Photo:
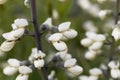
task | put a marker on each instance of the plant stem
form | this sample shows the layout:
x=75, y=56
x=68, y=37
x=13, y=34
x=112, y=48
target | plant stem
x=117, y=11
x=37, y=35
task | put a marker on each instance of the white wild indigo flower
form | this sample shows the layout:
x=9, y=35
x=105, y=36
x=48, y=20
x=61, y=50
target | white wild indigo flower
x=22, y=77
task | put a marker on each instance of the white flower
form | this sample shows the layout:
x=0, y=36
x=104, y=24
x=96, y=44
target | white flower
x=116, y=33
x=93, y=77
x=114, y=64
x=115, y=73
x=22, y=77
x=19, y=32
x=27, y=3
x=14, y=62
x=64, y=26
x=14, y=27
x=39, y=63
x=68, y=56
x=55, y=37
x=51, y=75
x=7, y=45
x=55, y=14
x=96, y=46
x=60, y=46
x=100, y=38
x=40, y=54
x=103, y=13
x=9, y=36
x=21, y=23
x=70, y=62
x=70, y=33
x=83, y=77
x=48, y=22
x=90, y=55
x=9, y=70
x=25, y=70
x=76, y=70
x=95, y=71
x=86, y=42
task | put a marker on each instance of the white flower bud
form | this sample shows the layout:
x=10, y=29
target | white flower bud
x=21, y=23
x=114, y=64
x=64, y=26
x=76, y=70
x=25, y=70
x=68, y=56
x=83, y=77
x=48, y=22
x=61, y=54
x=55, y=14
x=14, y=62
x=96, y=46
x=70, y=62
x=95, y=71
x=14, y=27
x=39, y=63
x=86, y=42
x=55, y=37
x=19, y=32
x=116, y=33
x=115, y=73
x=93, y=77
x=27, y=3
x=100, y=38
x=9, y=36
x=60, y=46
x=51, y=75
x=10, y=70
x=90, y=55
x=70, y=34
x=91, y=35
x=22, y=77
x=7, y=46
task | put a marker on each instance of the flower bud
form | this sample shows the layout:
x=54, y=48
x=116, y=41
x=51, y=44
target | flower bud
x=70, y=62
x=19, y=32
x=100, y=38
x=114, y=64
x=90, y=55
x=91, y=35
x=9, y=70
x=95, y=71
x=86, y=42
x=25, y=70
x=7, y=46
x=96, y=46
x=76, y=70
x=39, y=63
x=48, y=22
x=83, y=77
x=14, y=62
x=116, y=33
x=70, y=34
x=55, y=37
x=22, y=77
x=60, y=46
x=64, y=26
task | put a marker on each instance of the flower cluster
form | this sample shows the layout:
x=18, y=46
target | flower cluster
x=114, y=69
x=70, y=64
x=94, y=43
x=36, y=58
x=94, y=74
x=18, y=29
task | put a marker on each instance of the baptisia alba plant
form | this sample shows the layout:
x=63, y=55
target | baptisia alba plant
x=67, y=54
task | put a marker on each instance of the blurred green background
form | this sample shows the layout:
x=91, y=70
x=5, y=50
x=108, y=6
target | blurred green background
x=68, y=11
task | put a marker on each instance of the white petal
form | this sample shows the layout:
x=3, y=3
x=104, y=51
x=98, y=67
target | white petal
x=7, y=46
x=91, y=35
x=60, y=46
x=70, y=62
x=9, y=36
x=96, y=46
x=70, y=34
x=9, y=70
x=90, y=55
x=40, y=54
x=86, y=42
x=19, y=32
x=39, y=63
x=83, y=77
x=14, y=62
x=93, y=77
x=55, y=37
x=115, y=73
x=22, y=77
x=95, y=71
x=116, y=33
x=100, y=37
x=114, y=64
x=76, y=70
x=25, y=70
x=68, y=56
x=21, y=23
x=51, y=75
x=14, y=26
x=64, y=26
x=48, y=22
